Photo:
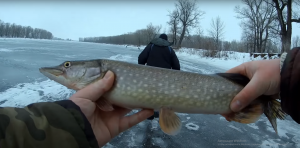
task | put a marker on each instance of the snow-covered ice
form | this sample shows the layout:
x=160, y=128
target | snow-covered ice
x=223, y=119
x=253, y=126
x=125, y=58
x=238, y=129
x=5, y=50
x=26, y=93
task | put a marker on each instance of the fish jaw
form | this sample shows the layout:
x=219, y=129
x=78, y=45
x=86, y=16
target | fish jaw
x=57, y=74
x=51, y=70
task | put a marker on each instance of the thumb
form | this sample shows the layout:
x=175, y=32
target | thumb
x=95, y=90
x=250, y=92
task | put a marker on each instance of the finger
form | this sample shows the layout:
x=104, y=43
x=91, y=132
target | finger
x=121, y=111
x=129, y=121
x=95, y=90
x=250, y=92
x=241, y=69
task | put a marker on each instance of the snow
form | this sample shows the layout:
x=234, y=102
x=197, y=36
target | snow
x=223, y=119
x=192, y=126
x=159, y=142
x=230, y=60
x=252, y=125
x=234, y=58
x=272, y=143
x=108, y=145
x=120, y=57
x=236, y=128
x=37, y=40
x=5, y=50
x=286, y=127
x=27, y=93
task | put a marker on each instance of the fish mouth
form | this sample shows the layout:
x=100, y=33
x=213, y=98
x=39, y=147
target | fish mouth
x=51, y=70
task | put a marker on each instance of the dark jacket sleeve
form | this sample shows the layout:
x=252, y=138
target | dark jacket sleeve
x=290, y=84
x=142, y=59
x=175, y=62
x=52, y=124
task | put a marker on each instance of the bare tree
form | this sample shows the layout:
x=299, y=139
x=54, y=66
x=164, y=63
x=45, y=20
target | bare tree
x=199, y=37
x=189, y=16
x=192, y=41
x=285, y=21
x=217, y=31
x=226, y=46
x=258, y=23
x=140, y=36
x=2, y=27
x=296, y=41
x=17, y=31
x=174, y=25
x=152, y=32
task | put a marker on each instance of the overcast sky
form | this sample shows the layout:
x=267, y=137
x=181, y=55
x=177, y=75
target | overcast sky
x=91, y=18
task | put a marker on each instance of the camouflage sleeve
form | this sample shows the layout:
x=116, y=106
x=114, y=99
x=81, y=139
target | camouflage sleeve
x=47, y=124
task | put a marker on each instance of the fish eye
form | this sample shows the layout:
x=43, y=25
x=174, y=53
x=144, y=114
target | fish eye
x=67, y=64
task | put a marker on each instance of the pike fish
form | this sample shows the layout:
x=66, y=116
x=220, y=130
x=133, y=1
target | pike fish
x=166, y=90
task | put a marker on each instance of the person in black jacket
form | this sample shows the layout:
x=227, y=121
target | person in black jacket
x=158, y=53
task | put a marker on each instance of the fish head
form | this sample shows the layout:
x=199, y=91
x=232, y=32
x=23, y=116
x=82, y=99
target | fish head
x=74, y=74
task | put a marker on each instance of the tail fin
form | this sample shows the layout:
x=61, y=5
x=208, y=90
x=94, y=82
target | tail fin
x=271, y=107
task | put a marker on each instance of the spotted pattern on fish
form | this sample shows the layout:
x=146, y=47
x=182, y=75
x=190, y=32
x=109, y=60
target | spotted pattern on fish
x=184, y=92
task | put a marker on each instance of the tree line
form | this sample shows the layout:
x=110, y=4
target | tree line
x=17, y=31
x=139, y=37
x=266, y=27
x=268, y=21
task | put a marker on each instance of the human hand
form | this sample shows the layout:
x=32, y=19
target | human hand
x=106, y=125
x=264, y=78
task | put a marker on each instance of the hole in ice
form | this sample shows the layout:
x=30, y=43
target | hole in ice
x=192, y=126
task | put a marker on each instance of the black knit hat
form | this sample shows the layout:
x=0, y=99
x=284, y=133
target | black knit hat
x=164, y=36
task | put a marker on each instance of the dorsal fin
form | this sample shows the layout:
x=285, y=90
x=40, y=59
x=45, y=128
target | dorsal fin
x=235, y=77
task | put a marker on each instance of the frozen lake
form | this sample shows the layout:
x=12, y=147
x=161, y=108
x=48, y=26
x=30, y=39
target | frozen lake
x=21, y=83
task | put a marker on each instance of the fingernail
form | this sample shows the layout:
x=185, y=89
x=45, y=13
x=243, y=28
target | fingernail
x=108, y=75
x=236, y=106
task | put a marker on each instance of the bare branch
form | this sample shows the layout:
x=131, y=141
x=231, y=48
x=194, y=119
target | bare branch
x=189, y=16
x=295, y=20
x=217, y=31
x=269, y=3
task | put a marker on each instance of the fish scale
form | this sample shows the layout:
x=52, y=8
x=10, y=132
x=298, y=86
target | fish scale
x=176, y=87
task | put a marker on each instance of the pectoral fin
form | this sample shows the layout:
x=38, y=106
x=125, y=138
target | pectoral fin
x=104, y=104
x=169, y=122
